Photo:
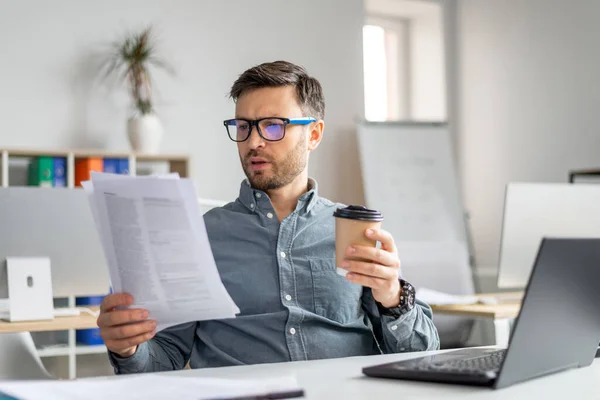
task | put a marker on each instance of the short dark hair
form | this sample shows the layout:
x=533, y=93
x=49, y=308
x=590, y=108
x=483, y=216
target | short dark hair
x=283, y=73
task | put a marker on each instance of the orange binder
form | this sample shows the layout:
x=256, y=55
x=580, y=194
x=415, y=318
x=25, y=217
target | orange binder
x=84, y=167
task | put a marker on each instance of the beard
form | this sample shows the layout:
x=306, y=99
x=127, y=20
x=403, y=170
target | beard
x=282, y=172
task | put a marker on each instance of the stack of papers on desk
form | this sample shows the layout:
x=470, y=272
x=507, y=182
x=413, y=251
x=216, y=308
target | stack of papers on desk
x=434, y=297
x=4, y=305
x=151, y=386
x=157, y=248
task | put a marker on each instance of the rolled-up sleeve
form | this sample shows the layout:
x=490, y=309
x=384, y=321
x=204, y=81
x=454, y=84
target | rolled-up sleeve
x=413, y=331
x=169, y=350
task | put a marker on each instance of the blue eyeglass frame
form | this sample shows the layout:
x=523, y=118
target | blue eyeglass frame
x=255, y=122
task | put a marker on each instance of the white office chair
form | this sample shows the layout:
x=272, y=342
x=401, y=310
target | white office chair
x=208, y=204
x=19, y=358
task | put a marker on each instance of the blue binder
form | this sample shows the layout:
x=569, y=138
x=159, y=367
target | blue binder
x=123, y=166
x=60, y=172
x=111, y=165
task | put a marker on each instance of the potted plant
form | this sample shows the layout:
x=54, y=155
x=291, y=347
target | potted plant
x=130, y=60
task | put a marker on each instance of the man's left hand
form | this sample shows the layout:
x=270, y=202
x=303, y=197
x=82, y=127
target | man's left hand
x=380, y=269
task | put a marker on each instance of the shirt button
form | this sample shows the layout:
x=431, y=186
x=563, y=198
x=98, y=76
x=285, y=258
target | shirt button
x=288, y=297
x=282, y=254
x=394, y=327
x=252, y=205
x=402, y=349
x=269, y=215
x=293, y=331
x=258, y=195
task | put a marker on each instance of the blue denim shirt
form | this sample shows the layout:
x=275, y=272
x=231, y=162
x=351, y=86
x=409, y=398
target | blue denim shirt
x=293, y=304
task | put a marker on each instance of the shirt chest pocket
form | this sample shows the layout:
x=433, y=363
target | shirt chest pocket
x=334, y=297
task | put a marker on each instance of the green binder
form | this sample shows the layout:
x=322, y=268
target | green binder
x=41, y=171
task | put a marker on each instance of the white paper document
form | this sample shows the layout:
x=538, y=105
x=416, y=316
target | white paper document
x=4, y=304
x=157, y=248
x=434, y=297
x=437, y=298
x=147, y=386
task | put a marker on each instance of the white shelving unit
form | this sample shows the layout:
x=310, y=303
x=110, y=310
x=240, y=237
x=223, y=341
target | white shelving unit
x=71, y=349
x=175, y=163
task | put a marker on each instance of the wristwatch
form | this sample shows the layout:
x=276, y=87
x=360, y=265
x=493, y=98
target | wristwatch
x=407, y=301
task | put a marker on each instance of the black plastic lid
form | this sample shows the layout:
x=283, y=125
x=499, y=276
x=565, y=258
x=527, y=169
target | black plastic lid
x=360, y=213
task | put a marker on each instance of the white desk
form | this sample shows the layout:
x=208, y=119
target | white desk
x=343, y=379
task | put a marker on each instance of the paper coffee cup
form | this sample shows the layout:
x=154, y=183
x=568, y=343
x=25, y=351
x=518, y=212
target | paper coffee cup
x=350, y=225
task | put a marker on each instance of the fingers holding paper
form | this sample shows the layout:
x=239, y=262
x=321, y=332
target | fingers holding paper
x=123, y=329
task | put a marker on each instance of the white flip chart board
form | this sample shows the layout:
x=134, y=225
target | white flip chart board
x=409, y=175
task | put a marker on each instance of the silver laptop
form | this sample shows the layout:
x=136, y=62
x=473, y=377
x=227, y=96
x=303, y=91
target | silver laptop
x=558, y=327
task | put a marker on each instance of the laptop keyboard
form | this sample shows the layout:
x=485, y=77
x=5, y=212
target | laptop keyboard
x=475, y=365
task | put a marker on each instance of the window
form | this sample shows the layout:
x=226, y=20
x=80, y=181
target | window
x=375, y=69
x=403, y=62
x=384, y=80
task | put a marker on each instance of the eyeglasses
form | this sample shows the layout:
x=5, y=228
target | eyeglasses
x=270, y=129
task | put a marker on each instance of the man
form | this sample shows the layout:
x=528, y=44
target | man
x=275, y=251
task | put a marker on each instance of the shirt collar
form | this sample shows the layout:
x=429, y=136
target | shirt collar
x=250, y=197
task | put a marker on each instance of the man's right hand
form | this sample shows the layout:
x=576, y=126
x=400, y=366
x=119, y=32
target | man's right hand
x=123, y=329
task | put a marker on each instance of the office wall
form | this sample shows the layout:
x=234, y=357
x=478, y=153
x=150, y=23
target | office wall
x=427, y=69
x=49, y=99
x=525, y=87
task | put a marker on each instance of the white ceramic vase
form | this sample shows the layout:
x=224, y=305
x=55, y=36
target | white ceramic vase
x=145, y=133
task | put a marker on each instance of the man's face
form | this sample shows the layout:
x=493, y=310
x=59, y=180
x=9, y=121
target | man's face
x=272, y=165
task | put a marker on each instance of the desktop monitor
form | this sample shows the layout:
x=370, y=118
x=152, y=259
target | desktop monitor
x=535, y=210
x=55, y=223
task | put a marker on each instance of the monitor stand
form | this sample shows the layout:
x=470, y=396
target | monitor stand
x=29, y=289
